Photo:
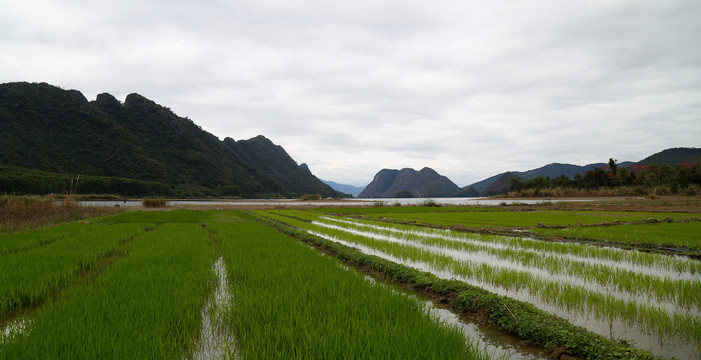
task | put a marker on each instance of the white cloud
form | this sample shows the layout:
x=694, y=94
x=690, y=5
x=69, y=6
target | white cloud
x=469, y=88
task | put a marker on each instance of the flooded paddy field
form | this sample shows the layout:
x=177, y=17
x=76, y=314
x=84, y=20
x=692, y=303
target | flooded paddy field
x=649, y=300
x=211, y=285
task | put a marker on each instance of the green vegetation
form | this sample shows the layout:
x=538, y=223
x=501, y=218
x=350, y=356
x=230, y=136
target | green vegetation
x=146, y=302
x=520, y=219
x=292, y=303
x=154, y=202
x=514, y=316
x=671, y=235
x=19, y=213
x=18, y=180
x=638, y=179
x=146, y=305
x=28, y=277
x=133, y=148
x=27, y=240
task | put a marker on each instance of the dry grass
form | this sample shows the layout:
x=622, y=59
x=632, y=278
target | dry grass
x=18, y=213
x=154, y=202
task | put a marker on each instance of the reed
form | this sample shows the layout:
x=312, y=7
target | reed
x=156, y=202
x=20, y=213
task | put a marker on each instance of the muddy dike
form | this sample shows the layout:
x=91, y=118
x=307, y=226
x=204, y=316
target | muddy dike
x=562, y=339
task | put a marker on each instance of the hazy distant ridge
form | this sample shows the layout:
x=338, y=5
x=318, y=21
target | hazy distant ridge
x=344, y=188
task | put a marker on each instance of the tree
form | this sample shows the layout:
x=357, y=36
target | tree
x=613, y=166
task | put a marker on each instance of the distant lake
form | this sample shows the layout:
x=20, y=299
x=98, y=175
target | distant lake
x=341, y=202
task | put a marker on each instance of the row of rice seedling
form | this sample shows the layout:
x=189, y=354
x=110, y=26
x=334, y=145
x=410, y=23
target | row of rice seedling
x=525, y=286
x=145, y=306
x=677, y=287
x=526, y=218
x=633, y=260
x=667, y=321
x=289, y=302
x=515, y=317
x=26, y=240
x=28, y=277
x=674, y=235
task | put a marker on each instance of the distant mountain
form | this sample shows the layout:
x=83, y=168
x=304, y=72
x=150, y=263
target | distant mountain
x=673, y=156
x=346, y=189
x=553, y=170
x=499, y=184
x=387, y=183
x=46, y=128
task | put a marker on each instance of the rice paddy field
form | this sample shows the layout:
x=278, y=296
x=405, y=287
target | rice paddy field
x=355, y=283
x=201, y=284
x=646, y=298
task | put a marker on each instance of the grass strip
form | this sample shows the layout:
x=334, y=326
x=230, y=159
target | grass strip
x=515, y=317
x=291, y=303
x=145, y=306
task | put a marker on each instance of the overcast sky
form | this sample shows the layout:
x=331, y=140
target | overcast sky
x=468, y=88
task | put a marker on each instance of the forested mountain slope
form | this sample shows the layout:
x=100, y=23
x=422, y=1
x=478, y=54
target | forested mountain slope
x=43, y=127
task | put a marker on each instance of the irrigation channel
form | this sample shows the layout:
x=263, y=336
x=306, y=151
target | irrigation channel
x=650, y=300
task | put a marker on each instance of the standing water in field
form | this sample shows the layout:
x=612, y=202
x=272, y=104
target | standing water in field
x=12, y=329
x=652, y=290
x=215, y=341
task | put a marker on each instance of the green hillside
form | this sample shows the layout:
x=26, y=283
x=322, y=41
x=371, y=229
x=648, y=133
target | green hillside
x=49, y=129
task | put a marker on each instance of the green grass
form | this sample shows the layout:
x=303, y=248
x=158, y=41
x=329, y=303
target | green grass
x=673, y=235
x=146, y=306
x=291, y=303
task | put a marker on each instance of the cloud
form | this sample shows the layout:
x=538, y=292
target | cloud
x=469, y=88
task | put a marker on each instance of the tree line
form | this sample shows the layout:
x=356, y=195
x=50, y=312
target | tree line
x=22, y=181
x=684, y=177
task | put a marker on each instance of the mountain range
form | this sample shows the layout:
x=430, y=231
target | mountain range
x=54, y=140
x=54, y=132
x=428, y=183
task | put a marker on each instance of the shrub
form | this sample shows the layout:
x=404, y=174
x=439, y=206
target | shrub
x=154, y=202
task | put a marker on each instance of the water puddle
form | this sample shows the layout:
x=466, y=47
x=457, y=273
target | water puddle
x=216, y=340
x=12, y=329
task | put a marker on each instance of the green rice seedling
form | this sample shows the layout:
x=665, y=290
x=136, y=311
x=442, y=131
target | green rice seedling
x=156, y=217
x=544, y=270
x=291, y=303
x=594, y=253
x=28, y=277
x=529, y=219
x=145, y=306
x=29, y=239
x=673, y=235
